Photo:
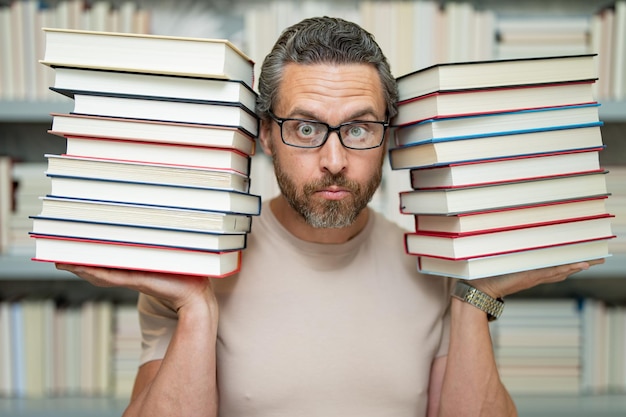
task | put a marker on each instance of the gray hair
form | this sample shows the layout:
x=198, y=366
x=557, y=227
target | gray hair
x=323, y=40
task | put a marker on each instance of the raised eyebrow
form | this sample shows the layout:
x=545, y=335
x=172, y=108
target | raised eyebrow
x=308, y=115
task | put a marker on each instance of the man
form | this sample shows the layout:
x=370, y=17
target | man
x=328, y=316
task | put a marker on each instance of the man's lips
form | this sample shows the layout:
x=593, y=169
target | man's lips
x=334, y=193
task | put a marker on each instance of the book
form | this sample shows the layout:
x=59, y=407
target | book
x=33, y=332
x=6, y=200
x=486, y=266
x=103, y=342
x=497, y=124
x=158, y=153
x=155, y=236
x=511, y=217
x=508, y=194
x=136, y=257
x=156, y=194
x=30, y=183
x=164, y=109
x=543, y=36
x=154, y=85
x=506, y=169
x=492, y=100
x=144, y=215
x=495, y=242
x=211, y=58
x=152, y=131
x=6, y=355
x=443, y=151
x=112, y=169
x=496, y=73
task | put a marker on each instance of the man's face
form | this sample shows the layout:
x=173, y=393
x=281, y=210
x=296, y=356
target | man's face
x=327, y=186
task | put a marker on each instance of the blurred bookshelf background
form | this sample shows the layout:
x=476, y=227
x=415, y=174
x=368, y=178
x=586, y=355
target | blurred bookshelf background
x=571, y=361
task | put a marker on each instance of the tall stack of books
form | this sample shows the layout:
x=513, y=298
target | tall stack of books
x=503, y=163
x=156, y=170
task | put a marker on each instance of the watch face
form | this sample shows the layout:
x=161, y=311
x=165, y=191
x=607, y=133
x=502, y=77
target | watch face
x=493, y=307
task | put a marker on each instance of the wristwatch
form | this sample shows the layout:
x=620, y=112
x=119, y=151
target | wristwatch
x=492, y=306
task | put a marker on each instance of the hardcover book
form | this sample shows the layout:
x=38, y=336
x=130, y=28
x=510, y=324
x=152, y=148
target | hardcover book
x=496, y=73
x=517, y=168
x=158, y=153
x=442, y=151
x=511, y=217
x=211, y=58
x=153, y=85
x=481, y=267
x=200, y=198
x=146, y=235
x=112, y=169
x=493, y=100
x=116, y=128
x=144, y=215
x=165, y=109
x=136, y=256
x=496, y=242
x=497, y=124
x=509, y=194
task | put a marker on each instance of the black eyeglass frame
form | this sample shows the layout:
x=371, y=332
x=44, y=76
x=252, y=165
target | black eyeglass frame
x=329, y=129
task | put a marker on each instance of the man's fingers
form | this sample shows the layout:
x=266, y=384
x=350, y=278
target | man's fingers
x=101, y=277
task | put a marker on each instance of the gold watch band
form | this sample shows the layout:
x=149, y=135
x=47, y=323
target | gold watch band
x=492, y=306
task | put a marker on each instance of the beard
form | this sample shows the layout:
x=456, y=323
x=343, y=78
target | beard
x=327, y=213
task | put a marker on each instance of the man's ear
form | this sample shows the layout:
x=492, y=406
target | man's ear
x=265, y=136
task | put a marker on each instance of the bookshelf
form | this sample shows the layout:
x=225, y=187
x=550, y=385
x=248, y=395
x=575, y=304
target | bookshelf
x=528, y=406
x=18, y=274
x=32, y=111
x=63, y=407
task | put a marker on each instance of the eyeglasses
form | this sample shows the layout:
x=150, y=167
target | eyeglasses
x=358, y=134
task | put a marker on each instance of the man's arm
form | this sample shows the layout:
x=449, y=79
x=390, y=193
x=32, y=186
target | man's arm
x=471, y=382
x=466, y=382
x=183, y=383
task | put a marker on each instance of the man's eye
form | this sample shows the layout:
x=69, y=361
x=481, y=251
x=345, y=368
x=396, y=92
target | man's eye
x=306, y=130
x=357, y=131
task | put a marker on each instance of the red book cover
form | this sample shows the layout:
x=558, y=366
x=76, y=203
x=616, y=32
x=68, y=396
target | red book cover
x=501, y=241
x=159, y=153
x=134, y=256
x=519, y=209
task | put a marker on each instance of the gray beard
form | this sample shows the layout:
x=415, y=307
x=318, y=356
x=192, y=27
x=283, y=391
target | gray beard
x=331, y=214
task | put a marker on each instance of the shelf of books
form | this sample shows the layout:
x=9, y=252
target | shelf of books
x=528, y=406
x=559, y=348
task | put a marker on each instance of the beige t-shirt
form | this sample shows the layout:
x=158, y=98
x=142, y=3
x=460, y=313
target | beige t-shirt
x=316, y=330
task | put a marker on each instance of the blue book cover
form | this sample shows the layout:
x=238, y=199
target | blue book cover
x=497, y=124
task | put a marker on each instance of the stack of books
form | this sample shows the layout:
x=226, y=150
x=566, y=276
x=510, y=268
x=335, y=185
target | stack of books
x=156, y=170
x=504, y=165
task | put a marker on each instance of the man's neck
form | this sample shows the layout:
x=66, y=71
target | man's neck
x=297, y=226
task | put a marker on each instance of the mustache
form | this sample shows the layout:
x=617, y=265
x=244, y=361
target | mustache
x=328, y=180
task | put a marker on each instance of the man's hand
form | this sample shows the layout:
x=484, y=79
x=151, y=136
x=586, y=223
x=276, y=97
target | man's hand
x=504, y=285
x=175, y=290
